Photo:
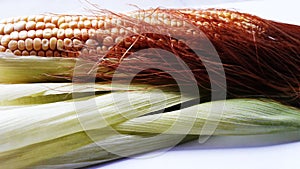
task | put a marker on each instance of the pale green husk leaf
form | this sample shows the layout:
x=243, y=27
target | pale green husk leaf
x=98, y=126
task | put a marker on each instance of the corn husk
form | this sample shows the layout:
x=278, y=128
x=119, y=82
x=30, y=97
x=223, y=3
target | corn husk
x=49, y=126
x=91, y=125
x=20, y=69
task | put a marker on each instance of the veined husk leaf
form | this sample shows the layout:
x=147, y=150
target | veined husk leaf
x=31, y=69
x=24, y=69
x=30, y=130
x=62, y=117
x=239, y=117
x=84, y=153
x=58, y=134
x=40, y=93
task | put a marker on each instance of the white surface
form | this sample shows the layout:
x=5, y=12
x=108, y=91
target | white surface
x=207, y=156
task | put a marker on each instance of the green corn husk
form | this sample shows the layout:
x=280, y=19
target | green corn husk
x=48, y=126
x=25, y=69
x=239, y=117
x=94, y=128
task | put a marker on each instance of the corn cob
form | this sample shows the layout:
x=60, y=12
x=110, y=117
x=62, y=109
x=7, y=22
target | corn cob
x=65, y=35
x=260, y=57
x=47, y=35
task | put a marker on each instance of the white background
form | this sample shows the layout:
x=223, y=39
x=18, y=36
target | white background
x=257, y=152
x=281, y=10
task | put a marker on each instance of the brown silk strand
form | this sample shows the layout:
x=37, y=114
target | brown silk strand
x=262, y=61
x=260, y=57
